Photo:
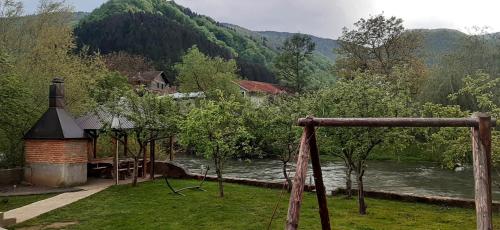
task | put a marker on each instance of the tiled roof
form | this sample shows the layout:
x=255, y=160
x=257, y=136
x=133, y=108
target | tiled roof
x=97, y=121
x=260, y=87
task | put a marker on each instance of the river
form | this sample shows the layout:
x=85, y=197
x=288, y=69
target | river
x=401, y=177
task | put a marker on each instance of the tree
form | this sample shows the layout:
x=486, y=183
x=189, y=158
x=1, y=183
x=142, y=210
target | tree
x=200, y=73
x=16, y=115
x=216, y=130
x=479, y=51
x=454, y=143
x=127, y=64
x=282, y=133
x=377, y=45
x=153, y=118
x=107, y=86
x=366, y=95
x=291, y=63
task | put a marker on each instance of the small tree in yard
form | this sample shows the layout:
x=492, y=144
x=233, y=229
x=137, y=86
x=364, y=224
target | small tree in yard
x=364, y=96
x=216, y=130
x=153, y=118
x=281, y=131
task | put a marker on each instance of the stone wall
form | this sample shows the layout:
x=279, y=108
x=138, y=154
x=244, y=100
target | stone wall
x=11, y=176
x=437, y=200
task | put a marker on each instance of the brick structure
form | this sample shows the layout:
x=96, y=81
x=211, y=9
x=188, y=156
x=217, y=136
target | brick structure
x=56, y=147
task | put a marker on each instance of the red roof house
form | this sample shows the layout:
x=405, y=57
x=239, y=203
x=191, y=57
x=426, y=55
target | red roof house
x=253, y=87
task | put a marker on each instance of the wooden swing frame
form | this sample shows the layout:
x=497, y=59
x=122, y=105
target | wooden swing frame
x=480, y=124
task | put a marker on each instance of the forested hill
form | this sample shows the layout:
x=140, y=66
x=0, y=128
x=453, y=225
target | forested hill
x=162, y=31
x=274, y=39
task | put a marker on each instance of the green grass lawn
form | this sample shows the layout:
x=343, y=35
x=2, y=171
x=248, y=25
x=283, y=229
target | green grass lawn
x=150, y=206
x=9, y=203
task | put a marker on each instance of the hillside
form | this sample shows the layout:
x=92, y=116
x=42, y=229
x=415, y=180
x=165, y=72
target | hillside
x=162, y=31
x=274, y=39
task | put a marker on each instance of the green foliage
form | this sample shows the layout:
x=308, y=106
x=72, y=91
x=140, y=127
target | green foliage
x=291, y=63
x=200, y=73
x=153, y=118
x=33, y=50
x=112, y=83
x=365, y=95
x=378, y=45
x=474, y=53
x=162, y=31
x=216, y=130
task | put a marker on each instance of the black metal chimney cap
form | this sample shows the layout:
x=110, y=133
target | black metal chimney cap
x=58, y=80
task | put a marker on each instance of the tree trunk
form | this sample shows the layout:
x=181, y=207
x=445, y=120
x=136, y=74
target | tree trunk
x=218, y=170
x=348, y=182
x=361, y=195
x=288, y=180
x=171, y=148
x=136, y=167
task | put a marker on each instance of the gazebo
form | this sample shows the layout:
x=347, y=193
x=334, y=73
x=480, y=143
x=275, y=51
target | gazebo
x=61, y=151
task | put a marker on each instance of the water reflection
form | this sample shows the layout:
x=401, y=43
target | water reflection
x=409, y=178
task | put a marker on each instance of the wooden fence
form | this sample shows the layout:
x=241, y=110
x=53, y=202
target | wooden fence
x=480, y=124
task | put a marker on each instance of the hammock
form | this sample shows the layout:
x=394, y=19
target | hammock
x=186, y=188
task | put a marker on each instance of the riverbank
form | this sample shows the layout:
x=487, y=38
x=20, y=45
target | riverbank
x=151, y=206
x=420, y=179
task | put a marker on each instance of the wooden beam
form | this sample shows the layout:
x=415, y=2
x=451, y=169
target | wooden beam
x=481, y=150
x=392, y=122
x=292, y=220
x=318, y=179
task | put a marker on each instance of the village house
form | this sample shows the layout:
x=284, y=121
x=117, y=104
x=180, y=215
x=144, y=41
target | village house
x=258, y=91
x=155, y=81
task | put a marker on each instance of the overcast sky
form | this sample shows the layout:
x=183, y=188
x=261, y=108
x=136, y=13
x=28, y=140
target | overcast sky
x=325, y=18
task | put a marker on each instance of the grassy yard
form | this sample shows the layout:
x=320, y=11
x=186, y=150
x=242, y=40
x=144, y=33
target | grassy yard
x=9, y=203
x=150, y=206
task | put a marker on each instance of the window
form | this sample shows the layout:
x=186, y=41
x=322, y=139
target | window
x=157, y=85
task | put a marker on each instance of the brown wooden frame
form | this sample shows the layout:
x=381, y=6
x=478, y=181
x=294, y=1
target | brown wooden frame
x=480, y=124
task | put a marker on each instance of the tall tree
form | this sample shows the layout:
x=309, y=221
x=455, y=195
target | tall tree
x=216, y=130
x=291, y=63
x=200, y=73
x=377, y=45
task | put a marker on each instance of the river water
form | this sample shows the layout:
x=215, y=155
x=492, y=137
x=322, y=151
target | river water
x=408, y=178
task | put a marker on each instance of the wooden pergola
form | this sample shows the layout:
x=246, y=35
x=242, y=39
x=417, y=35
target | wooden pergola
x=480, y=124
x=94, y=123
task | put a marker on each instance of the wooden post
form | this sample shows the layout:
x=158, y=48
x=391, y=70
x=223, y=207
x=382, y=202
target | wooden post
x=152, y=160
x=125, y=144
x=115, y=159
x=144, y=159
x=318, y=179
x=292, y=220
x=94, y=139
x=481, y=150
